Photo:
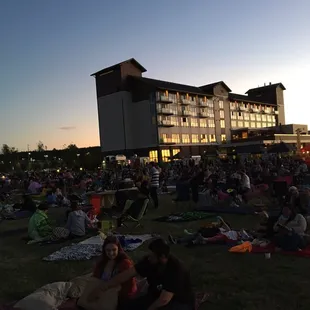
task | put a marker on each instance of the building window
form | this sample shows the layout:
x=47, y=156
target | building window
x=221, y=104
x=258, y=117
x=203, y=138
x=222, y=114
x=211, y=123
x=175, y=138
x=264, y=118
x=258, y=125
x=165, y=154
x=195, y=139
x=211, y=113
x=175, y=151
x=222, y=123
x=232, y=105
x=223, y=138
x=212, y=138
x=233, y=124
x=174, y=121
x=252, y=117
x=240, y=115
x=264, y=125
x=194, y=122
x=173, y=98
x=240, y=124
x=185, y=122
x=153, y=155
x=246, y=124
x=252, y=124
x=233, y=115
x=185, y=138
x=246, y=116
x=203, y=123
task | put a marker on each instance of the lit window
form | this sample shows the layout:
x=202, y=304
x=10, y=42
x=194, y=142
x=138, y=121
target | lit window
x=240, y=124
x=165, y=154
x=195, y=139
x=264, y=118
x=185, y=138
x=223, y=138
x=174, y=121
x=264, y=125
x=221, y=104
x=258, y=117
x=258, y=125
x=203, y=123
x=233, y=115
x=153, y=155
x=240, y=115
x=175, y=151
x=194, y=122
x=211, y=123
x=222, y=123
x=212, y=138
x=246, y=116
x=246, y=124
x=203, y=138
x=252, y=117
x=222, y=114
x=175, y=138
x=252, y=124
x=233, y=124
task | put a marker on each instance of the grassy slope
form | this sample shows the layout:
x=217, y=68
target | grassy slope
x=244, y=281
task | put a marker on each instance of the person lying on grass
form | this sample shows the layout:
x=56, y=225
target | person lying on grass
x=222, y=233
x=290, y=230
x=39, y=228
x=169, y=285
x=114, y=261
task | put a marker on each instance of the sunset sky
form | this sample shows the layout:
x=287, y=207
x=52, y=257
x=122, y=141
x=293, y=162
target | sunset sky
x=50, y=48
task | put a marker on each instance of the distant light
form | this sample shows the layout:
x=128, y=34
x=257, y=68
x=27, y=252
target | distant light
x=81, y=169
x=58, y=170
x=3, y=177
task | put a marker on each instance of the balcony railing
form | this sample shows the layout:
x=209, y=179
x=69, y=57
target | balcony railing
x=187, y=113
x=203, y=103
x=242, y=108
x=187, y=102
x=164, y=99
x=165, y=111
x=203, y=114
x=166, y=141
x=165, y=123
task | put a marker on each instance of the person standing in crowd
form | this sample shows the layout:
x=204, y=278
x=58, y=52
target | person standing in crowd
x=154, y=184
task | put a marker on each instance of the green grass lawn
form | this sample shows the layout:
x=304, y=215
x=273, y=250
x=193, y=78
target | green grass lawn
x=236, y=281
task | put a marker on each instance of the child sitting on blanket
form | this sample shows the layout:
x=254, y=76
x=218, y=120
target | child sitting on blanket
x=221, y=233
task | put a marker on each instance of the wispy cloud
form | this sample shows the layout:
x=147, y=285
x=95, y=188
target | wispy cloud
x=67, y=128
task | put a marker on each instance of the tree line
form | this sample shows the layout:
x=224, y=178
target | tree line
x=71, y=157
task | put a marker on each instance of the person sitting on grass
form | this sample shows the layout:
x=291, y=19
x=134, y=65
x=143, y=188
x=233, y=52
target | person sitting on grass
x=112, y=262
x=290, y=230
x=77, y=221
x=169, y=285
x=222, y=233
x=39, y=228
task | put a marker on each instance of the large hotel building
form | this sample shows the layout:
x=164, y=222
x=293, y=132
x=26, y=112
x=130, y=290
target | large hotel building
x=158, y=119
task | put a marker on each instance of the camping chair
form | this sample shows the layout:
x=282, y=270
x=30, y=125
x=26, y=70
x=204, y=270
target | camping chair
x=137, y=220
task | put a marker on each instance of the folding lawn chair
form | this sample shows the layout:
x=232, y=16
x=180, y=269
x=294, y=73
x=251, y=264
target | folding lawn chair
x=137, y=220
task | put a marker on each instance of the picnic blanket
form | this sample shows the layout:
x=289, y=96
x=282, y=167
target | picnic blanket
x=228, y=210
x=185, y=217
x=200, y=298
x=271, y=249
x=92, y=247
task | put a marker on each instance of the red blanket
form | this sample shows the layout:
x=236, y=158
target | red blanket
x=271, y=249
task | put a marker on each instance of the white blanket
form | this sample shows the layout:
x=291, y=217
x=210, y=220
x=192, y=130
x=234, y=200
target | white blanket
x=92, y=247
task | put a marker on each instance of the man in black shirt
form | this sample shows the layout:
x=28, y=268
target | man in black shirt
x=169, y=282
